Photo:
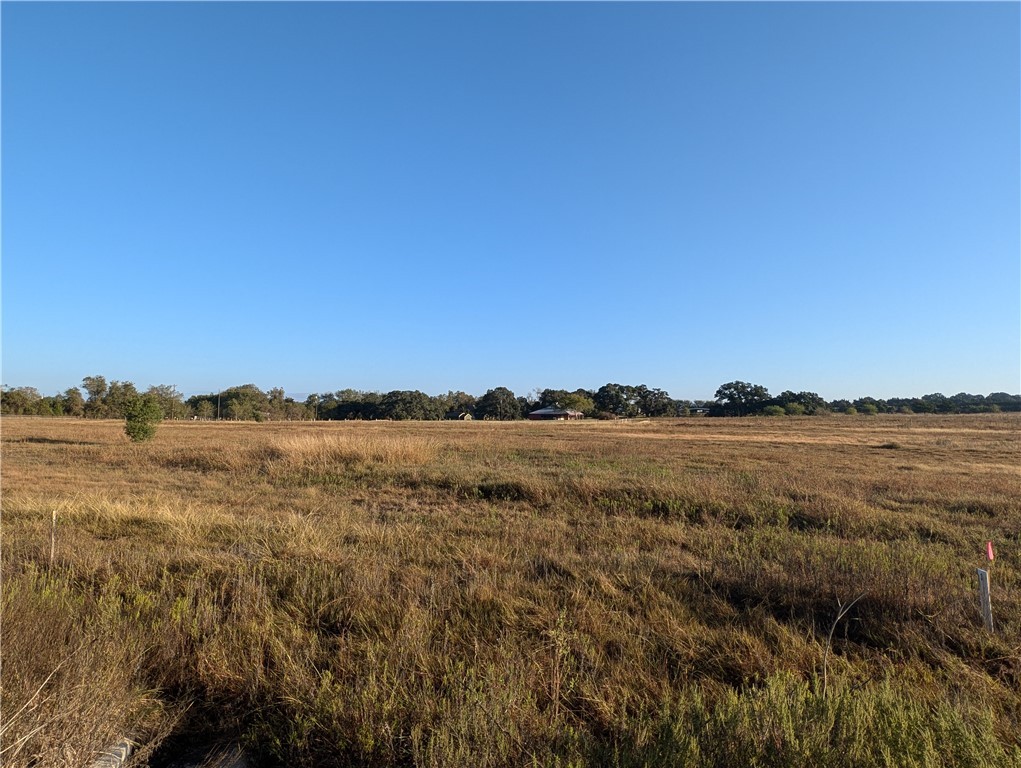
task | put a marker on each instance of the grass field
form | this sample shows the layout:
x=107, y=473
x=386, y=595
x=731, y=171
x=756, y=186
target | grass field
x=503, y=594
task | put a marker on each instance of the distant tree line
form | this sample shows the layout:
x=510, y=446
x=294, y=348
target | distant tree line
x=97, y=398
x=739, y=398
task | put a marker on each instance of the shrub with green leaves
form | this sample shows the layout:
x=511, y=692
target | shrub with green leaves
x=773, y=410
x=141, y=417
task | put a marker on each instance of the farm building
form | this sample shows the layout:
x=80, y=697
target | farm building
x=555, y=413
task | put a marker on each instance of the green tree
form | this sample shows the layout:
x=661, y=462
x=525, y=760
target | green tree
x=809, y=401
x=195, y=405
x=654, y=402
x=244, y=403
x=295, y=411
x=277, y=403
x=19, y=401
x=457, y=403
x=498, y=404
x=204, y=409
x=120, y=395
x=938, y=402
x=923, y=405
x=870, y=405
x=1004, y=401
x=95, y=387
x=579, y=401
x=739, y=398
x=73, y=402
x=50, y=405
x=170, y=400
x=311, y=405
x=142, y=415
x=404, y=405
x=551, y=398
x=352, y=404
x=618, y=399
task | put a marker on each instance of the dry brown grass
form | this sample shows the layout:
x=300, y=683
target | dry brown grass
x=503, y=594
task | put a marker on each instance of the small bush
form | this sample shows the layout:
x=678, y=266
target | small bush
x=773, y=410
x=794, y=409
x=141, y=417
x=851, y=410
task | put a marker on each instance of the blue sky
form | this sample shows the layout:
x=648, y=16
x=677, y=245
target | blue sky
x=463, y=196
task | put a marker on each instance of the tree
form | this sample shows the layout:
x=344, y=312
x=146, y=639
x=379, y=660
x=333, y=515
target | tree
x=120, y=395
x=203, y=406
x=73, y=402
x=312, y=405
x=525, y=406
x=352, y=404
x=170, y=400
x=498, y=404
x=244, y=403
x=810, y=402
x=579, y=401
x=655, y=402
x=551, y=398
x=938, y=402
x=618, y=399
x=921, y=405
x=204, y=409
x=870, y=405
x=19, y=401
x=141, y=417
x=51, y=405
x=1004, y=401
x=405, y=405
x=295, y=411
x=277, y=403
x=738, y=398
x=457, y=403
x=95, y=387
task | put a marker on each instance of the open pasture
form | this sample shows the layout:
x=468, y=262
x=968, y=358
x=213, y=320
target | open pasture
x=661, y=592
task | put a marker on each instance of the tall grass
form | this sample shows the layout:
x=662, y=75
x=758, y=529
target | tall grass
x=70, y=683
x=580, y=594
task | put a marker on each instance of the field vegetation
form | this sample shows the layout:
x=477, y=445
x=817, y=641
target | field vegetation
x=687, y=592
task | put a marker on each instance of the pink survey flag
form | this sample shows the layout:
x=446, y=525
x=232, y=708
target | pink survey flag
x=989, y=551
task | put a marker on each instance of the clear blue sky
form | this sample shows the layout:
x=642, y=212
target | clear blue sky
x=463, y=196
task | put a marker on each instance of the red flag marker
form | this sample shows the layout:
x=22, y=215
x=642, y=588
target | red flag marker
x=989, y=551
